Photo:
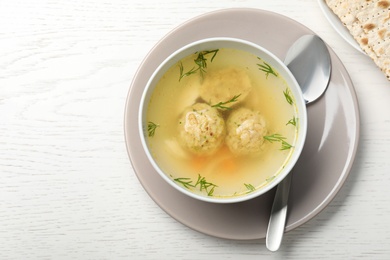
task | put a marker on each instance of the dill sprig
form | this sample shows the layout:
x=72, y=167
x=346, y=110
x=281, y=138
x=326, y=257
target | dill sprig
x=205, y=185
x=287, y=95
x=186, y=182
x=292, y=121
x=285, y=145
x=278, y=138
x=250, y=187
x=201, y=63
x=200, y=182
x=182, y=74
x=152, y=128
x=221, y=105
x=266, y=68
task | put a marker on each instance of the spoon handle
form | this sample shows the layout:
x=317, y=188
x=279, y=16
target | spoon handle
x=278, y=216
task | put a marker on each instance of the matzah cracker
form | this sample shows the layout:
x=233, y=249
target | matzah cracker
x=369, y=23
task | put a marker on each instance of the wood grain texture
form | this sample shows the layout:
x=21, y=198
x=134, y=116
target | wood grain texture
x=67, y=188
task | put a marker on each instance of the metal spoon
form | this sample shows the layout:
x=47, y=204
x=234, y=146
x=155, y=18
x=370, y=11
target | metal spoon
x=309, y=61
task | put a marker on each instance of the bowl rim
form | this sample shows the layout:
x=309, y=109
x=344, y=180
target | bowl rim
x=287, y=76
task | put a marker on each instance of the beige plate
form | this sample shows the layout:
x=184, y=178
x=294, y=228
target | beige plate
x=333, y=132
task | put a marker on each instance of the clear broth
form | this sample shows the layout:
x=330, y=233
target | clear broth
x=228, y=174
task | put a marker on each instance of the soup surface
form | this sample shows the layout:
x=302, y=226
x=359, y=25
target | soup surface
x=221, y=123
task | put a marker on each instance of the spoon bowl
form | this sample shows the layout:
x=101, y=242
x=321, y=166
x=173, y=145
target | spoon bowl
x=309, y=61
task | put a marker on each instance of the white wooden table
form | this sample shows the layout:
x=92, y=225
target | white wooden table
x=67, y=187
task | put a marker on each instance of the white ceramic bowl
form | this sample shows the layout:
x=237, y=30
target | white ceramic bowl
x=233, y=43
